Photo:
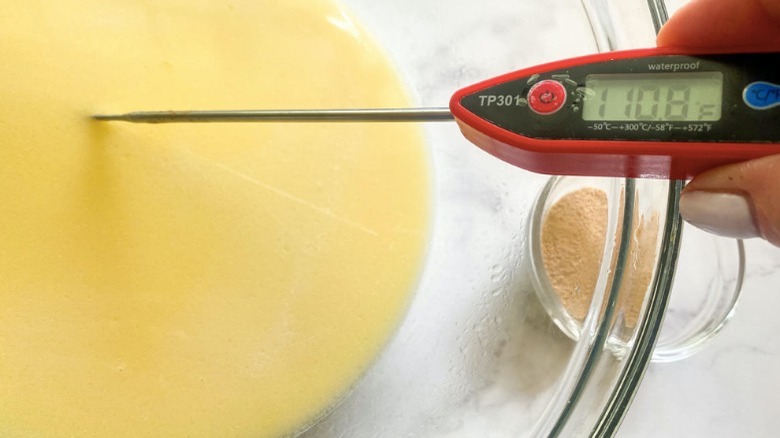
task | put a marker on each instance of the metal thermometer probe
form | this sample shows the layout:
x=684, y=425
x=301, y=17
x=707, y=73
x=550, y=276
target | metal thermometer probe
x=316, y=115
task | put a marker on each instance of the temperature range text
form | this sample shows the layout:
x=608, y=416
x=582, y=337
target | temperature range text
x=650, y=127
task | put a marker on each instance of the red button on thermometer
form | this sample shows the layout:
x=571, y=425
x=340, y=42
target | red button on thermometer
x=546, y=97
x=660, y=113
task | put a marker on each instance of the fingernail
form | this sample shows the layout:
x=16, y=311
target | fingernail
x=726, y=214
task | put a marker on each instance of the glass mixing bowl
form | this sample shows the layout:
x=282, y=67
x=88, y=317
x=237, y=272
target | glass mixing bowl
x=484, y=350
x=485, y=347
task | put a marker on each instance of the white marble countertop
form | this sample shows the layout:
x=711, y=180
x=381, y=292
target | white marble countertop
x=732, y=387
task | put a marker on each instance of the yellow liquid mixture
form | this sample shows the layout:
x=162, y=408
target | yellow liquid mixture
x=209, y=280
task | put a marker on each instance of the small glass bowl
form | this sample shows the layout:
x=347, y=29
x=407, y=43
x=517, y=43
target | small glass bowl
x=706, y=287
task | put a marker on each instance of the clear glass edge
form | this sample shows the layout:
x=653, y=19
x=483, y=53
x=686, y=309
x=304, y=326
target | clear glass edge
x=649, y=326
x=592, y=337
x=599, y=340
x=696, y=343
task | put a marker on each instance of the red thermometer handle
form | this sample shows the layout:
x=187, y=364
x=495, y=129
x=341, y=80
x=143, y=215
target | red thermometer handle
x=657, y=113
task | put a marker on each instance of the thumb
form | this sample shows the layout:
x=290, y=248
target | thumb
x=739, y=200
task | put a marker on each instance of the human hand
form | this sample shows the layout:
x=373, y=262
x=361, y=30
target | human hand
x=739, y=200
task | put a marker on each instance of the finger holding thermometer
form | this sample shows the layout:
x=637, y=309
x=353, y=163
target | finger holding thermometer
x=741, y=199
x=653, y=113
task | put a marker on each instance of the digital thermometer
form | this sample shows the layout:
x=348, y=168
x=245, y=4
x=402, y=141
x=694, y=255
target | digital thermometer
x=657, y=113
x=643, y=113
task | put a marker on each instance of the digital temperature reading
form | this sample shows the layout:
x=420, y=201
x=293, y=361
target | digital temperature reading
x=685, y=97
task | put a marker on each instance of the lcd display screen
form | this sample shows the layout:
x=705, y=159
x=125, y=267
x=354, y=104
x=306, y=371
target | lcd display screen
x=696, y=96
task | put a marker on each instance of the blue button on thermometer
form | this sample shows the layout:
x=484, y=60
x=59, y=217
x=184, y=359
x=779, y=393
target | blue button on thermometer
x=761, y=95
